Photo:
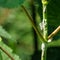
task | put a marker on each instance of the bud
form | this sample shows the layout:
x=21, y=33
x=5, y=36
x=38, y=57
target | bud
x=44, y=2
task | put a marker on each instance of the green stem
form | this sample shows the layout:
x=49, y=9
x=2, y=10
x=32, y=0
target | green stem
x=45, y=30
x=43, y=48
x=45, y=21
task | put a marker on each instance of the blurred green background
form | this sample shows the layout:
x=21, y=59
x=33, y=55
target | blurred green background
x=17, y=32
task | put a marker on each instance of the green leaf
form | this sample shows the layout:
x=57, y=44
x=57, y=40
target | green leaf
x=4, y=33
x=10, y=3
x=55, y=43
x=0, y=55
x=53, y=12
x=9, y=50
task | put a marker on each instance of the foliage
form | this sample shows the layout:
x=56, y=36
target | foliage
x=10, y=3
x=17, y=29
x=3, y=56
x=4, y=33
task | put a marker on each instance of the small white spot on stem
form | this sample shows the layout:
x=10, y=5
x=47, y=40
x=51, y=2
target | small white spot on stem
x=44, y=9
x=43, y=46
x=50, y=40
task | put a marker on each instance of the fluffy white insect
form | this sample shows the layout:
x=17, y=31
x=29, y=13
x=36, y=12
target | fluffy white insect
x=41, y=25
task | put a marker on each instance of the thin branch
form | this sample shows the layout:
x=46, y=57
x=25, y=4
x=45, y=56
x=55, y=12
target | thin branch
x=54, y=32
x=33, y=24
x=45, y=29
x=7, y=53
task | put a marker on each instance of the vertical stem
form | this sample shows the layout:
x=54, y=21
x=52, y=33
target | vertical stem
x=44, y=20
x=44, y=45
x=43, y=48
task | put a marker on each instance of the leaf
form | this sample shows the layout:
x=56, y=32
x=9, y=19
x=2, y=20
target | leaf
x=10, y=3
x=10, y=51
x=53, y=12
x=55, y=43
x=0, y=56
x=4, y=33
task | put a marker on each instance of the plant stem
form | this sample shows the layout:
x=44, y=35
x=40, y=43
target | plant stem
x=7, y=53
x=44, y=20
x=45, y=30
x=33, y=24
x=43, y=48
x=54, y=32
